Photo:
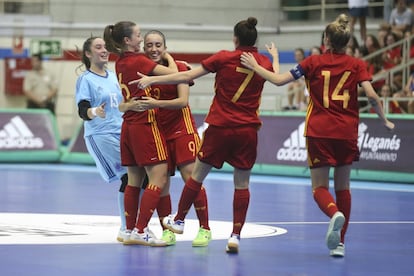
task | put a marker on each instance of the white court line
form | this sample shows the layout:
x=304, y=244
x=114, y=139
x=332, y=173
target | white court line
x=327, y=222
x=40, y=228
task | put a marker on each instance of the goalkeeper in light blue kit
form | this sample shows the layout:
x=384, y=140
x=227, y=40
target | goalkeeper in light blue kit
x=98, y=96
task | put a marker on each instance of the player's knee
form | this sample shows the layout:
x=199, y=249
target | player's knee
x=124, y=183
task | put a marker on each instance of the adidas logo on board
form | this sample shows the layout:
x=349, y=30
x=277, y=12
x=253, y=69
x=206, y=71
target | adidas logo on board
x=294, y=148
x=16, y=134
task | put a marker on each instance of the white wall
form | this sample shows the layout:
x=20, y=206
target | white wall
x=190, y=12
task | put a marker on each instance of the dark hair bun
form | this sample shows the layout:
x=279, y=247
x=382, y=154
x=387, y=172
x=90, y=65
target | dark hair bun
x=252, y=22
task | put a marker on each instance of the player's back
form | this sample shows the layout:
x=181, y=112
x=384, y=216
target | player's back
x=237, y=89
x=333, y=81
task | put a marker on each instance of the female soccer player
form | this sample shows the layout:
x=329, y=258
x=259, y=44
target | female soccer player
x=143, y=146
x=331, y=122
x=183, y=142
x=98, y=95
x=233, y=124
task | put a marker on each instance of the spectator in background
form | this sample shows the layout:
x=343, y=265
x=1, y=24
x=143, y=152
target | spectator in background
x=386, y=93
x=358, y=9
x=401, y=18
x=375, y=64
x=388, y=5
x=40, y=86
x=384, y=29
x=407, y=92
x=353, y=47
x=393, y=57
x=315, y=50
x=350, y=51
x=296, y=89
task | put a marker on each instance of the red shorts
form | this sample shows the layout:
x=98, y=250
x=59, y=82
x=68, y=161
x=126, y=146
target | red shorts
x=236, y=146
x=142, y=145
x=182, y=150
x=324, y=152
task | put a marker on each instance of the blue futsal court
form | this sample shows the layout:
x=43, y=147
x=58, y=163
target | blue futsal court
x=62, y=220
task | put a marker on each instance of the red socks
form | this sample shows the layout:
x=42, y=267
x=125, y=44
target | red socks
x=149, y=203
x=201, y=208
x=241, y=199
x=189, y=194
x=327, y=204
x=131, y=202
x=343, y=201
x=325, y=201
x=164, y=208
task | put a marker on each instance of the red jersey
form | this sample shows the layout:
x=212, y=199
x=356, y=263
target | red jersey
x=392, y=54
x=394, y=107
x=237, y=89
x=332, y=79
x=174, y=122
x=126, y=68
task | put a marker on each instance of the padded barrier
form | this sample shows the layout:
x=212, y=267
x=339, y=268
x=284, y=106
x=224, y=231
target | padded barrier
x=32, y=136
x=28, y=135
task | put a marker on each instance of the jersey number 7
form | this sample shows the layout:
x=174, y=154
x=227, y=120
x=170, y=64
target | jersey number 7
x=244, y=84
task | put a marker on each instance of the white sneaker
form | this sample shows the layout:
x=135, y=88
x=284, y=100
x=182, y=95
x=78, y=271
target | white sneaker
x=333, y=236
x=147, y=238
x=233, y=244
x=339, y=251
x=175, y=226
x=123, y=235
